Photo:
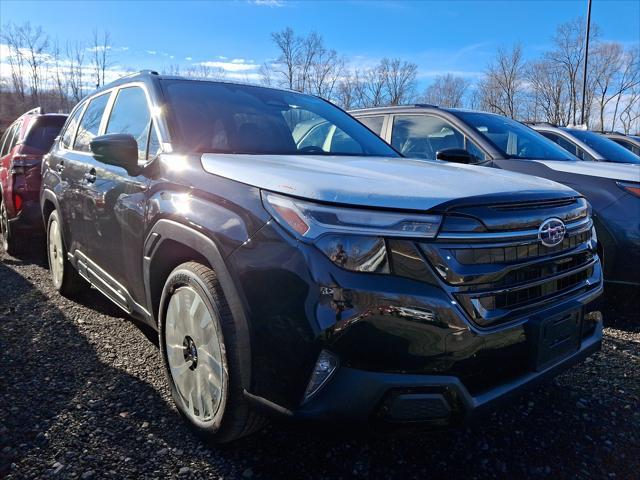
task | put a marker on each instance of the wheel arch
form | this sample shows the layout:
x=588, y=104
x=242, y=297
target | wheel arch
x=169, y=244
x=48, y=203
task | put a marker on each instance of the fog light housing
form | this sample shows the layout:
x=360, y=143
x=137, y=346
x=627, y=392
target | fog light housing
x=324, y=368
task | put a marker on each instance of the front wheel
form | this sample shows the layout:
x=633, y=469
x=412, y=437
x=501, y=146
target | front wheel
x=200, y=357
x=65, y=278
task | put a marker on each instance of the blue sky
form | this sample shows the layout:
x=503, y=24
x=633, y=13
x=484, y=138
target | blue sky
x=440, y=36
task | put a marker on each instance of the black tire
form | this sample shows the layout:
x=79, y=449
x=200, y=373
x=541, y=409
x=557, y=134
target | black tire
x=233, y=418
x=70, y=283
x=9, y=241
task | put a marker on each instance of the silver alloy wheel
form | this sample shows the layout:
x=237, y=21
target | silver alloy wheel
x=56, y=252
x=194, y=354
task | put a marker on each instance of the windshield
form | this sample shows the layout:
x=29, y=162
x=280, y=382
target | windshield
x=609, y=149
x=230, y=118
x=513, y=139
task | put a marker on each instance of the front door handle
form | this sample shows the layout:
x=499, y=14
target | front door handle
x=90, y=176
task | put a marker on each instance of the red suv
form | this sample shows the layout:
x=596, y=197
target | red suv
x=22, y=147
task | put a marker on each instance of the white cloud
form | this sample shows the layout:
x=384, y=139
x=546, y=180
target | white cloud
x=235, y=65
x=151, y=52
x=188, y=58
x=268, y=3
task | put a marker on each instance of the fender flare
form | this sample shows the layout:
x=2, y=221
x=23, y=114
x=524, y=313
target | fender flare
x=48, y=195
x=164, y=230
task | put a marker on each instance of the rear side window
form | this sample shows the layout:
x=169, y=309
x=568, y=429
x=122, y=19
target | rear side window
x=90, y=123
x=4, y=142
x=11, y=138
x=70, y=130
x=130, y=114
x=44, y=132
x=566, y=144
x=374, y=123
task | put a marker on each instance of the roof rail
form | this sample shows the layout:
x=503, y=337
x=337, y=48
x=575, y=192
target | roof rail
x=425, y=105
x=33, y=111
x=533, y=122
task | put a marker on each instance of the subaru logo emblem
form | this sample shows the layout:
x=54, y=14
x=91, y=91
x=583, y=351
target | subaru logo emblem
x=551, y=232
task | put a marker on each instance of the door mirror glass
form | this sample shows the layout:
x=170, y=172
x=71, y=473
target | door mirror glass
x=455, y=155
x=119, y=149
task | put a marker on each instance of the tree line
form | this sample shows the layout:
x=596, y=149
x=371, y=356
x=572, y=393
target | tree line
x=42, y=72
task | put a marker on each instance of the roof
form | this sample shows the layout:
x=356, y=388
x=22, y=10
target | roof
x=152, y=76
x=414, y=106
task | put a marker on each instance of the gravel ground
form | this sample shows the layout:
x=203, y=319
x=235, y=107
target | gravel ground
x=82, y=396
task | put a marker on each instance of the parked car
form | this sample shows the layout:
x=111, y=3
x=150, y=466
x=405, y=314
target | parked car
x=612, y=189
x=323, y=279
x=587, y=145
x=630, y=142
x=22, y=147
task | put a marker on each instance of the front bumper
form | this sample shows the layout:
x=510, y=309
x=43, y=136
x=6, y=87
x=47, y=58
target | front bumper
x=353, y=395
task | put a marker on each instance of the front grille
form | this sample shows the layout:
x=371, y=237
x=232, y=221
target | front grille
x=497, y=278
x=525, y=295
x=479, y=256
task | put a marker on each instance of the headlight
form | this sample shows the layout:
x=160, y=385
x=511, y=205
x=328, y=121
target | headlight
x=630, y=187
x=352, y=238
x=309, y=221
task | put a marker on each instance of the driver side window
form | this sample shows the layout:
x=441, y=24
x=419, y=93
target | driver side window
x=130, y=114
x=422, y=136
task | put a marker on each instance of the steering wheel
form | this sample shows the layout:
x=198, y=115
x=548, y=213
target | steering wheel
x=311, y=149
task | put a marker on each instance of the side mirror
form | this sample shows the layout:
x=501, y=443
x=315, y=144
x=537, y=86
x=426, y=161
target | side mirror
x=119, y=149
x=455, y=155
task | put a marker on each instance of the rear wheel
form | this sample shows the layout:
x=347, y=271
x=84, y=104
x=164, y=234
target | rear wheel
x=65, y=278
x=200, y=357
x=9, y=241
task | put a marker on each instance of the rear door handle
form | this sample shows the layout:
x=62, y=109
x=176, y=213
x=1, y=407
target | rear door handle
x=90, y=176
x=60, y=166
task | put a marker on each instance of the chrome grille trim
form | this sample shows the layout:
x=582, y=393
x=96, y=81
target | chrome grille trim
x=572, y=228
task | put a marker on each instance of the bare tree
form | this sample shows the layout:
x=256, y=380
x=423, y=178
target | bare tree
x=13, y=38
x=101, y=48
x=548, y=89
x=568, y=52
x=399, y=80
x=605, y=64
x=36, y=43
x=286, y=64
x=630, y=114
x=502, y=88
x=75, y=73
x=446, y=91
x=628, y=80
x=303, y=64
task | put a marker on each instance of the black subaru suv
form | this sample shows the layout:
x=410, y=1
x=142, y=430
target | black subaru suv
x=316, y=279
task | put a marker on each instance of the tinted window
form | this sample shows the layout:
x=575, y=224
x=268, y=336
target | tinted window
x=513, y=139
x=566, y=144
x=130, y=114
x=605, y=147
x=6, y=140
x=11, y=139
x=422, y=136
x=228, y=118
x=69, y=132
x=374, y=123
x=90, y=124
x=44, y=132
x=628, y=145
